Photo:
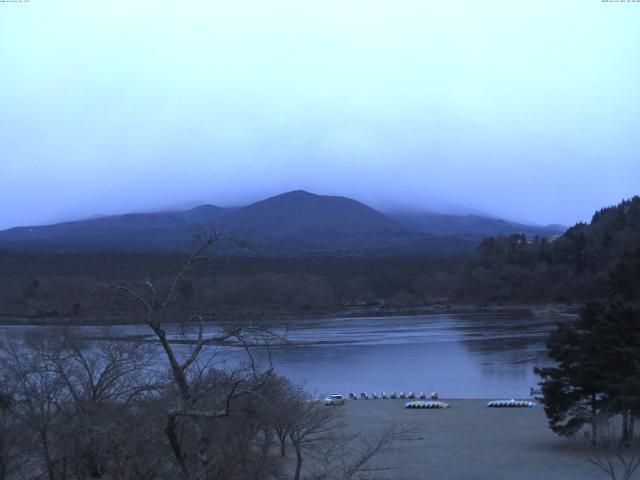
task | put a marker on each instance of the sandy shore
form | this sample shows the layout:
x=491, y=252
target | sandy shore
x=471, y=441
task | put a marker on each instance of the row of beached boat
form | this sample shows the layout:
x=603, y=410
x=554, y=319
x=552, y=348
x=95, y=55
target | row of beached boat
x=494, y=403
x=512, y=403
x=337, y=399
x=393, y=396
x=427, y=404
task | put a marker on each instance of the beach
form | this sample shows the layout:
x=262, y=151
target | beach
x=471, y=441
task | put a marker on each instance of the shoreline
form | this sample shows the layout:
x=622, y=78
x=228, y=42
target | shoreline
x=533, y=310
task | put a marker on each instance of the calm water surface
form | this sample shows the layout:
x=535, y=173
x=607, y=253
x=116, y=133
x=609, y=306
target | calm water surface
x=459, y=356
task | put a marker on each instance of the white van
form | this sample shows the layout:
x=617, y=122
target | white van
x=334, y=399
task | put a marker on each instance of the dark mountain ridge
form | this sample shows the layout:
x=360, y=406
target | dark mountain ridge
x=446, y=224
x=294, y=223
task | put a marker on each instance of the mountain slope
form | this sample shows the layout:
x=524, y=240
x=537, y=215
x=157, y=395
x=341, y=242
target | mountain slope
x=442, y=224
x=300, y=213
x=203, y=214
x=292, y=223
x=302, y=224
x=134, y=231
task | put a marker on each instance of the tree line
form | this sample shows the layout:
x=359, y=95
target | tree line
x=59, y=287
x=576, y=267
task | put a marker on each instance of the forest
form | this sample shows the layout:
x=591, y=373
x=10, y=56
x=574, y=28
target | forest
x=576, y=267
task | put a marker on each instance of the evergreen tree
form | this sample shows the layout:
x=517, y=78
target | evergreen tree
x=624, y=281
x=597, y=372
x=574, y=390
x=619, y=329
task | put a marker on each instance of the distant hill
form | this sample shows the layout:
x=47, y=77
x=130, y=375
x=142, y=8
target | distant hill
x=203, y=214
x=477, y=225
x=294, y=223
x=135, y=231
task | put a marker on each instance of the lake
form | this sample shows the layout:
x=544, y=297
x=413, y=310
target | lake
x=458, y=356
x=480, y=355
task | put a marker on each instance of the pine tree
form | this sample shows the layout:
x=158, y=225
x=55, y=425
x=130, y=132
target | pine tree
x=574, y=390
x=619, y=328
x=597, y=373
x=624, y=281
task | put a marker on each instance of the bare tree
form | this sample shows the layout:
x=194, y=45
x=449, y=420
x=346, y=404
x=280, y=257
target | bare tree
x=280, y=400
x=311, y=422
x=37, y=396
x=188, y=371
x=345, y=456
x=103, y=379
x=618, y=459
x=316, y=432
x=11, y=437
x=78, y=401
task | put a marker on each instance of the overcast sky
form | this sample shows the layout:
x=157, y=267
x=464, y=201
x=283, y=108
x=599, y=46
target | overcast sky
x=527, y=110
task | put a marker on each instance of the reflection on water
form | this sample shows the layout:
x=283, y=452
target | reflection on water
x=459, y=356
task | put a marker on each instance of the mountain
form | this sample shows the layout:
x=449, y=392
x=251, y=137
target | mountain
x=294, y=223
x=476, y=225
x=300, y=213
x=305, y=224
